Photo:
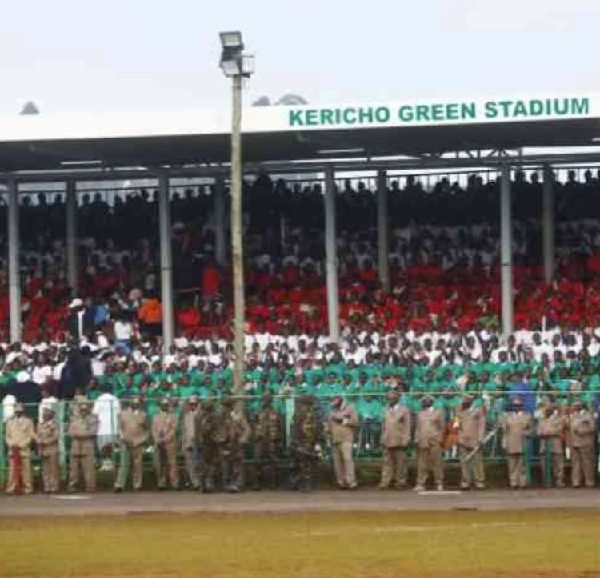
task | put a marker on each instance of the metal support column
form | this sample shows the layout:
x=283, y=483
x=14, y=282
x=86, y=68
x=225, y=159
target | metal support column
x=14, y=279
x=548, y=224
x=220, y=223
x=166, y=259
x=331, y=264
x=506, y=252
x=71, y=233
x=383, y=236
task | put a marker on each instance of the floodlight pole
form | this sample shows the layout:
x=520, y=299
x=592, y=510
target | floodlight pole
x=236, y=236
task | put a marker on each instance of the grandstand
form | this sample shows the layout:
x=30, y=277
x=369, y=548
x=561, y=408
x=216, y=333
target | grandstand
x=434, y=253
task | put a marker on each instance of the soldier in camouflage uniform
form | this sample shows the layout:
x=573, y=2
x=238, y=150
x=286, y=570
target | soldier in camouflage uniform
x=232, y=433
x=209, y=423
x=267, y=436
x=307, y=436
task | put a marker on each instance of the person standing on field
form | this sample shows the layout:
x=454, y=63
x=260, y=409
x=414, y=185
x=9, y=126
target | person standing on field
x=342, y=423
x=429, y=436
x=306, y=443
x=47, y=443
x=267, y=438
x=395, y=439
x=516, y=426
x=551, y=427
x=83, y=430
x=20, y=433
x=209, y=423
x=471, y=432
x=233, y=432
x=164, y=434
x=189, y=440
x=134, y=430
x=582, y=429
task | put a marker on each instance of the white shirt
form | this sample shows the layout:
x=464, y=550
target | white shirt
x=46, y=403
x=123, y=330
x=107, y=408
x=8, y=407
x=40, y=374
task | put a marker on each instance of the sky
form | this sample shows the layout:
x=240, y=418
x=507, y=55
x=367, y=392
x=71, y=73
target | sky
x=103, y=55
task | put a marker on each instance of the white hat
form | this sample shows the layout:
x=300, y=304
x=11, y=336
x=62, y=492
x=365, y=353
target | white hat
x=76, y=303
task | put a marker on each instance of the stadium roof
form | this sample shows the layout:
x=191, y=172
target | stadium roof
x=411, y=129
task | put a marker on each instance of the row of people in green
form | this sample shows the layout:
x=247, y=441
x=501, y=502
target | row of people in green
x=344, y=379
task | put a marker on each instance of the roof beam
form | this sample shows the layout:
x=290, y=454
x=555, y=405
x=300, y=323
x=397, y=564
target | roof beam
x=302, y=167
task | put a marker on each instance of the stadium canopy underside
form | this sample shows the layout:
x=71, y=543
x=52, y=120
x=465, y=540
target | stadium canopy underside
x=381, y=137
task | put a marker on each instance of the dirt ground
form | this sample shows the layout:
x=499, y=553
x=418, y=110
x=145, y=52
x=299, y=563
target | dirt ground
x=325, y=500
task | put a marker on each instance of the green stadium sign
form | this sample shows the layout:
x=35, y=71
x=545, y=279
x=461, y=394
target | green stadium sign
x=455, y=112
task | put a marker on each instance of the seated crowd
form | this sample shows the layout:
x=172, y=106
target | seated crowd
x=444, y=260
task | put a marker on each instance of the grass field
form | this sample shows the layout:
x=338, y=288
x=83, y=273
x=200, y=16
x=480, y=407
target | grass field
x=342, y=545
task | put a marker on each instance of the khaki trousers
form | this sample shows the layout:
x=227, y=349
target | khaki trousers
x=582, y=466
x=50, y=477
x=557, y=468
x=191, y=467
x=165, y=460
x=85, y=463
x=394, y=468
x=516, y=471
x=24, y=474
x=131, y=459
x=343, y=465
x=473, y=470
x=429, y=459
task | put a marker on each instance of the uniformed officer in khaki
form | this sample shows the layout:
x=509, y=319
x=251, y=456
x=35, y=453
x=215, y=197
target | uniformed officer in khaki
x=429, y=435
x=395, y=439
x=551, y=427
x=83, y=430
x=581, y=440
x=20, y=432
x=471, y=432
x=190, y=440
x=164, y=434
x=47, y=443
x=516, y=426
x=134, y=431
x=342, y=423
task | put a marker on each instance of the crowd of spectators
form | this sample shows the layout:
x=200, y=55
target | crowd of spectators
x=435, y=330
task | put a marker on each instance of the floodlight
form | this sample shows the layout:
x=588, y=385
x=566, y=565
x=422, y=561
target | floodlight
x=230, y=67
x=231, y=40
x=247, y=65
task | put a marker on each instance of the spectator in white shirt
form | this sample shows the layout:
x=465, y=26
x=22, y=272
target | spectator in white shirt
x=48, y=401
x=107, y=408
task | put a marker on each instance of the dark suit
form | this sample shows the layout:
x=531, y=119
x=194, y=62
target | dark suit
x=87, y=324
x=77, y=372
